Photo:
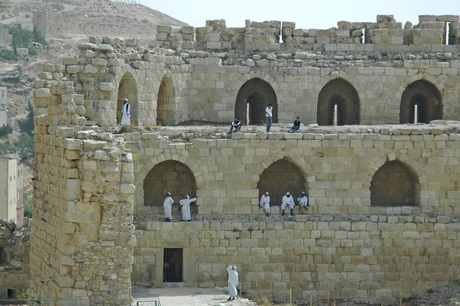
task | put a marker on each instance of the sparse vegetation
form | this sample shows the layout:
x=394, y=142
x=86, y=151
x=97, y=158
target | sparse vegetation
x=22, y=39
x=5, y=130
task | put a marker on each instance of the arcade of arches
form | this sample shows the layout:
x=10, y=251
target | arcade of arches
x=394, y=184
x=252, y=99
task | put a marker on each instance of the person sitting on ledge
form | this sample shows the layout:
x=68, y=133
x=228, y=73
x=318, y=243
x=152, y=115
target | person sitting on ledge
x=295, y=126
x=236, y=125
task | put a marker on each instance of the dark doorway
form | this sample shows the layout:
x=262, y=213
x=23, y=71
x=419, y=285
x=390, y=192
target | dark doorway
x=172, y=267
x=251, y=101
x=165, y=102
x=428, y=100
x=341, y=93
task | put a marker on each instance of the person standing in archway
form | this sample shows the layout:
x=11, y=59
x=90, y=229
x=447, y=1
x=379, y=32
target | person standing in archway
x=167, y=206
x=185, y=208
x=126, y=113
x=269, y=116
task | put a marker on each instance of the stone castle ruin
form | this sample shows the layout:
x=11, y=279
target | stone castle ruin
x=383, y=183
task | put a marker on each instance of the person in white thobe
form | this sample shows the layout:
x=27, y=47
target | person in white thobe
x=185, y=208
x=303, y=201
x=232, y=282
x=287, y=200
x=167, y=205
x=265, y=203
x=126, y=113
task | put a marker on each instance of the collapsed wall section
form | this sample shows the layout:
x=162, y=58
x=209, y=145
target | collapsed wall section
x=81, y=240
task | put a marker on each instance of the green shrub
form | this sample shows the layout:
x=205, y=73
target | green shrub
x=28, y=211
x=27, y=125
x=5, y=130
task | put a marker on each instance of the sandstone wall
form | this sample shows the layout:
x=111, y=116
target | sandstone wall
x=362, y=258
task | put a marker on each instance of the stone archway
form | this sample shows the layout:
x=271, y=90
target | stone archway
x=169, y=176
x=280, y=177
x=253, y=97
x=395, y=184
x=165, y=102
x=341, y=93
x=127, y=88
x=426, y=97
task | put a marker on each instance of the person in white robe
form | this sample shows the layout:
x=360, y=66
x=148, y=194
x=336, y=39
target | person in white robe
x=289, y=201
x=126, y=113
x=185, y=208
x=265, y=203
x=232, y=282
x=167, y=206
x=303, y=201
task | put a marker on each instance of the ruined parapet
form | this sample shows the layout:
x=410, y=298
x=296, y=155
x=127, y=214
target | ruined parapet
x=386, y=34
x=83, y=195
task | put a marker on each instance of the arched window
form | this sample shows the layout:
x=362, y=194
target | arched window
x=127, y=89
x=394, y=184
x=252, y=99
x=338, y=101
x=165, y=102
x=280, y=177
x=169, y=176
x=421, y=102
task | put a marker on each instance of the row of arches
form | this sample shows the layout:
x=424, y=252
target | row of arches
x=393, y=184
x=338, y=102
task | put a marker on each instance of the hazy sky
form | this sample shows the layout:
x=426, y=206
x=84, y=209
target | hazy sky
x=307, y=14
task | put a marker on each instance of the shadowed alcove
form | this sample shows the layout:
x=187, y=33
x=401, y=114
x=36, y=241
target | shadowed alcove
x=394, y=184
x=165, y=102
x=252, y=99
x=280, y=177
x=341, y=96
x=169, y=176
x=421, y=99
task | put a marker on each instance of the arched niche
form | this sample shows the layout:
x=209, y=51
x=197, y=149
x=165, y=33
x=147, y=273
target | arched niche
x=252, y=99
x=127, y=88
x=169, y=176
x=341, y=96
x=280, y=177
x=395, y=184
x=165, y=102
x=421, y=99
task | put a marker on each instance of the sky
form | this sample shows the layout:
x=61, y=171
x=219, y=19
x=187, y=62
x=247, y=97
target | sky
x=307, y=14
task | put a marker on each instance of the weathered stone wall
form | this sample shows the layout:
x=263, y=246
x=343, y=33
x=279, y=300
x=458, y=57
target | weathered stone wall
x=82, y=234
x=362, y=258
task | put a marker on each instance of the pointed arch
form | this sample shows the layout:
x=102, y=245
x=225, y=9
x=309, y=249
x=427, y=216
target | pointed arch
x=169, y=176
x=280, y=177
x=338, y=92
x=254, y=96
x=165, y=102
x=127, y=89
x=426, y=96
x=395, y=184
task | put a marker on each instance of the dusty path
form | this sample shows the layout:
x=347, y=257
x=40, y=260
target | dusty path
x=185, y=297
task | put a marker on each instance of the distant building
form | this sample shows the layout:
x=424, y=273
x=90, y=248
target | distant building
x=9, y=189
x=3, y=106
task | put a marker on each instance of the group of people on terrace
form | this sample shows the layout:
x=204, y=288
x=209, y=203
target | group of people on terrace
x=236, y=125
x=287, y=201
